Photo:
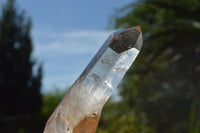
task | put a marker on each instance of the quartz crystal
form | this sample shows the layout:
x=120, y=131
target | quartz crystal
x=80, y=110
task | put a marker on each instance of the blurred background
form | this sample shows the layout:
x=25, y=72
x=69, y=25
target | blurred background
x=45, y=45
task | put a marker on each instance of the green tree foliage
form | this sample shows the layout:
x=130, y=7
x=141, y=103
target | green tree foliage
x=50, y=101
x=20, y=98
x=118, y=118
x=163, y=84
x=19, y=87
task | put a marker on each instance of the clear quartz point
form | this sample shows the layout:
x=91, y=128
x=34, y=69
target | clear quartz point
x=80, y=110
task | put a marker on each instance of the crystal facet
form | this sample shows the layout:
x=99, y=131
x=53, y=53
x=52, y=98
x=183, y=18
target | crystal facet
x=80, y=110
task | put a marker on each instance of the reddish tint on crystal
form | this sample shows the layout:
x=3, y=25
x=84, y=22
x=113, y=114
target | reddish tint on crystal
x=80, y=110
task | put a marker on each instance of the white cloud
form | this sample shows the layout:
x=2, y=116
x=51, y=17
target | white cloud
x=65, y=43
x=65, y=54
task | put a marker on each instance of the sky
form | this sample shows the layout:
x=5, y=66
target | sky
x=66, y=35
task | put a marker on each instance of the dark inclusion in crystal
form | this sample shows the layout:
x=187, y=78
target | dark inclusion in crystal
x=126, y=40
